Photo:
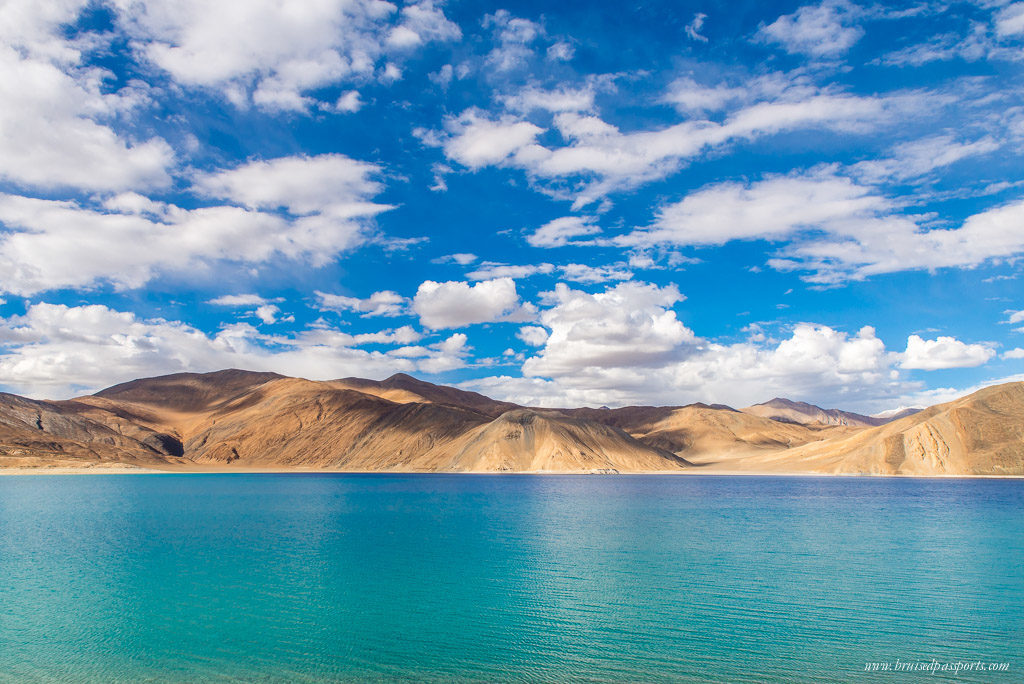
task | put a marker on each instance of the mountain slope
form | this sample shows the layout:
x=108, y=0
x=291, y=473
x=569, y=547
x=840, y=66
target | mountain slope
x=298, y=423
x=528, y=440
x=237, y=420
x=404, y=388
x=240, y=420
x=786, y=411
x=980, y=434
x=64, y=433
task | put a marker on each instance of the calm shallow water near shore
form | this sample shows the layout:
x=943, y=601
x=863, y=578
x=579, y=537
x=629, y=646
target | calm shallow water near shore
x=299, y=577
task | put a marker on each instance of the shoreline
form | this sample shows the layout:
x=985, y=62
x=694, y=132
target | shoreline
x=126, y=469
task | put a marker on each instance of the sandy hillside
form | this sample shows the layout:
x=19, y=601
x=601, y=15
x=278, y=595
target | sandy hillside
x=238, y=420
x=980, y=434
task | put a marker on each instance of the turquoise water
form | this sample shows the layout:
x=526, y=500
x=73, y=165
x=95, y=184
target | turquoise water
x=481, y=578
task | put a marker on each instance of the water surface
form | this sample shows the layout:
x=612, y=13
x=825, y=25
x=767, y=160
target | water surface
x=301, y=577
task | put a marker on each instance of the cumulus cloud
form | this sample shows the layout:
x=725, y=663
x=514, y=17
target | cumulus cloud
x=533, y=335
x=564, y=99
x=562, y=51
x=773, y=208
x=477, y=141
x=823, y=30
x=627, y=346
x=268, y=313
x=421, y=23
x=561, y=231
x=577, y=273
x=239, y=300
x=383, y=303
x=131, y=239
x=584, y=273
x=55, y=350
x=944, y=352
x=1016, y=353
x=282, y=51
x=460, y=258
x=513, y=36
x=836, y=229
x=55, y=127
x=330, y=183
x=630, y=324
x=349, y=102
x=456, y=304
x=1009, y=21
x=263, y=309
x=605, y=159
x=489, y=270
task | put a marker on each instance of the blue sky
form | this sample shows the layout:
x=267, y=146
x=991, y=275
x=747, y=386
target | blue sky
x=658, y=203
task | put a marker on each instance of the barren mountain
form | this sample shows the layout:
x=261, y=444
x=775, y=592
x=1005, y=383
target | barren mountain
x=238, y=420
x=786, y=411
x=404, y=388
x=65, y=433
x=980, y=434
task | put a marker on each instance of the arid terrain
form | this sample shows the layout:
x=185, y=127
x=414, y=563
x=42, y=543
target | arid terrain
x=237, y=420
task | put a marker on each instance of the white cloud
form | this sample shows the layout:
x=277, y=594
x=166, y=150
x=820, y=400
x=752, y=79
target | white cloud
x=533, y=335
x=920, y=157
x=330, y=183
x=383, y=303
x=349, y=102
x=835, y=228
x=456, y=304
x=898, y=244
x=626, y=346
x=460, y=258
x=421, y=23
x=691, y=97
x=629, y=324
x=584, y=273
x=1016, y=353
x=823, y=30
x=390, y=74
x=491, y=269
x=52, y=244
x=55, y=120
x=561, y=51
x=561, y=231
x=526, y=100
x=476, y=141
x=694, y=27
x=1010, y=20
x=55, y=350
x=268, y=313
x=606, y=159
x=944, y=352
x=261, y=308
x=513, y=36
x=273, y=54
x=1015, y=317
x=239, y=300
x=772, y=209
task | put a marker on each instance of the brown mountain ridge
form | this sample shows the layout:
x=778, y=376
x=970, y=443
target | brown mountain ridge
x=240, y=420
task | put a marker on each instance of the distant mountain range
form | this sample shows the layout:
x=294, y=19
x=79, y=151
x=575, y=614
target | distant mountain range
x=787, y=411
x=239, y=420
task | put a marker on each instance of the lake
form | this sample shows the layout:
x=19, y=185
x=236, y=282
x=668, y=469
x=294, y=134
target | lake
x=328, y=577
